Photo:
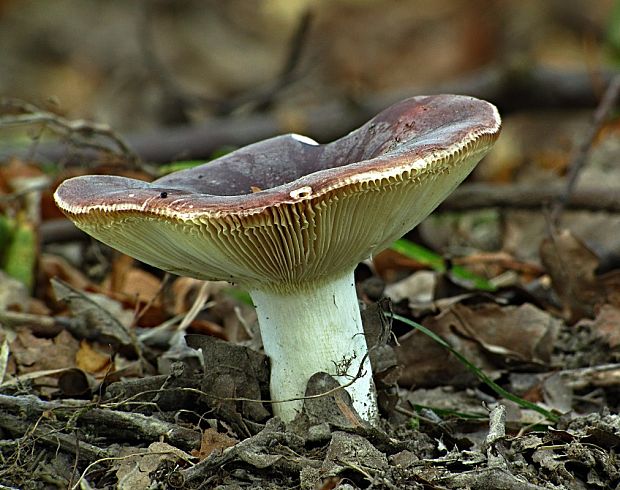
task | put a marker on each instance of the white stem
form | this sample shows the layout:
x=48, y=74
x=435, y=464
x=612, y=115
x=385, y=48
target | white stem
x=317, y=329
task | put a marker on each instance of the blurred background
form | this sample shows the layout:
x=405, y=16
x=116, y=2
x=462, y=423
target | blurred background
x=144, y=64
x=187, y=80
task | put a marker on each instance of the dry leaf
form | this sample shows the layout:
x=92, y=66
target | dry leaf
x=572, y=265
x=490, y=336
x=212, y=440
x=134, y=471
x=522, y=334
x=100, y=322
x=391, y=265
x=91, y=360
x=607, y=324
x=42, y=359
x=55, y=266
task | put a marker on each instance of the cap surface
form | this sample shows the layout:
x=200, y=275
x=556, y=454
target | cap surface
x=286, y=211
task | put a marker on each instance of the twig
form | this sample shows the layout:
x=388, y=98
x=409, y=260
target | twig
x=467, y=197
x=53, y=438
x=360, y=373
x=80, y=132
x=263, y=98
x=531, y=196
x=103, y=421
x=512, y=89
x=120, y=458
x=172, y=89
x=43, y=325
x=580, y=156
x=41, y=186
x=260, y=99
x=496, y=434
x=601, y=375
x=273, y=433
x=151, y=301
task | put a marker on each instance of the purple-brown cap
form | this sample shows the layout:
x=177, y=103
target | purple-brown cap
x=288, y=211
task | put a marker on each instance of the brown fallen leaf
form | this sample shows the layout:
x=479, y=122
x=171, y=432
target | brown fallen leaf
x=516, y=334
x=41, y=359
x=391, y=265
x=75, y=383
x=233, y=371
x=327, y=402
x=426, y=364
x=182, y=293
x=137, y=289
x=572, y=265
x=98, y=314
x=492, y=264
x=32, y=353
x=55, y=266
x=213, y=441
x=91, y=360
x=490, y=336
x=607, y=324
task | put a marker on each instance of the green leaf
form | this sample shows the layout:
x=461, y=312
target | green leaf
x=185, y=164
x=168, y=168
x=20, y=253
x=240, y=295
x=436, y=262
x=6, y=233
x=414, y=423
x=481, y=375
x=613, y=32
x=419, y=254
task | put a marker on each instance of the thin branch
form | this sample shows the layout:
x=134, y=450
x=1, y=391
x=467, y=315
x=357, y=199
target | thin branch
x=79, y=132
x=510, y=88
x=360, y=373
x=170, y=86
x=263, y=98
x=528, y=196
x=580, y=155
x=103, y=421
x=260, y=99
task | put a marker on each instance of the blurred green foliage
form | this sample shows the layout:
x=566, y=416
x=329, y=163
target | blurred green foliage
x=18, y=248
x=438, y=263
x=613, y=33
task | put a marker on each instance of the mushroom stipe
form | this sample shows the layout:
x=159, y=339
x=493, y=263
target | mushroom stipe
x=289, y=219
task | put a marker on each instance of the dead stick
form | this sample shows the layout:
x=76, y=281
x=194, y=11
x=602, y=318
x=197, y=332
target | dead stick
x=580, y=156
x=527, y=196
x=135, y=426
x=52, y=437
x=511, y=88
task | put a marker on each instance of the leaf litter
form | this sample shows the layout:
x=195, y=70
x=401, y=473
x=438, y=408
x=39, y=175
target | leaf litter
x=99, y=394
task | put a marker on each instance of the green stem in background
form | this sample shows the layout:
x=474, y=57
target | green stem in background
x=437, y=263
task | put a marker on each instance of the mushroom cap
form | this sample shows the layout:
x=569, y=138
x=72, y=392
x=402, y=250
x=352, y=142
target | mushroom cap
x=287, y=211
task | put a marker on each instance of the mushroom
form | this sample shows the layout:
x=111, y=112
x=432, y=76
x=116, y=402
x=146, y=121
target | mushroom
x=289, y=219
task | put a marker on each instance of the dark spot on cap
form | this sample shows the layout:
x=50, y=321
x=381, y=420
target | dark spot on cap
x=163, y=195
